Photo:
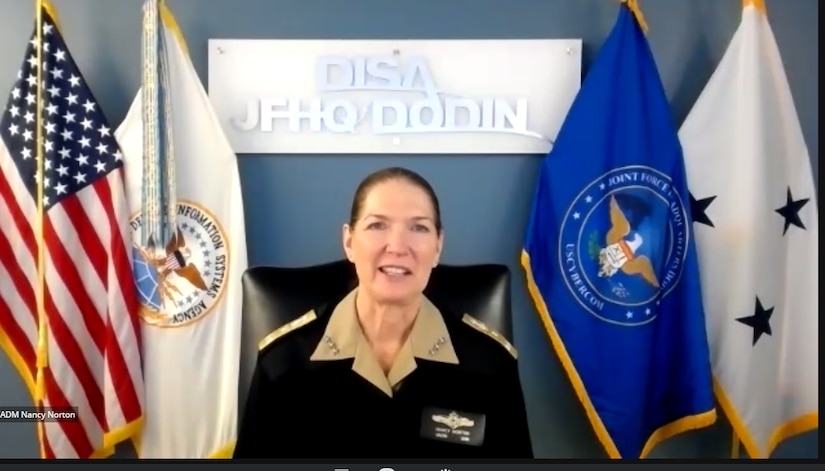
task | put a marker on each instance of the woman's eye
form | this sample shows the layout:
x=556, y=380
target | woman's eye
x=421, y=228
x=376, y=225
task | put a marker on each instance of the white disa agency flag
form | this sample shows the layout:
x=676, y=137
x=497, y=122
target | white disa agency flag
x=191, y=290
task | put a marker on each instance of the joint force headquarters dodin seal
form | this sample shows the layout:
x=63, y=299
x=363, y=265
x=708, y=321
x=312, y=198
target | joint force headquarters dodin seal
x=623, y=244
x=183, y=282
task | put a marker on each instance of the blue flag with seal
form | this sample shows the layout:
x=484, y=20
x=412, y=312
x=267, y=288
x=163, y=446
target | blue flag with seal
x=610, y=259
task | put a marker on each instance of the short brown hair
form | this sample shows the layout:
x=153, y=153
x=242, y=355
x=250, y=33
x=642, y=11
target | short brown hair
x=393, y=173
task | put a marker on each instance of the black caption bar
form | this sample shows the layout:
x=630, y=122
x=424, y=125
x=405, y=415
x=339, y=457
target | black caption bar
x=534, y=466
x=487, y=465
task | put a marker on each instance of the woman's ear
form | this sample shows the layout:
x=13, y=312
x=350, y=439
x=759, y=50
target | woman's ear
x=346, y=235
x=439, y=248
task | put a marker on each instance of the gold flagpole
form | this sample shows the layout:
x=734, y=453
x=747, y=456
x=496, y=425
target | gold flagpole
x=42, y=347
x=759, y=4
x=634, y=7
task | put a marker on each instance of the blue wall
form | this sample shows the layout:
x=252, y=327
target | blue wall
x=295, y=204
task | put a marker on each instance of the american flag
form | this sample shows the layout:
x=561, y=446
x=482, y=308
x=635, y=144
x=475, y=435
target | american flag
x=90, y=303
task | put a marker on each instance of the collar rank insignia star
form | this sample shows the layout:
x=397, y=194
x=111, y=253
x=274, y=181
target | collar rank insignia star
x=437, y=346
x=333, y=347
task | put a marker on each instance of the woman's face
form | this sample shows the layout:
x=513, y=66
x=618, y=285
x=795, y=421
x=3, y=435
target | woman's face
x=394, y=243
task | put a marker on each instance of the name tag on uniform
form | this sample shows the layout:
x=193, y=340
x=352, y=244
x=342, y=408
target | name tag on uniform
x=453, y=426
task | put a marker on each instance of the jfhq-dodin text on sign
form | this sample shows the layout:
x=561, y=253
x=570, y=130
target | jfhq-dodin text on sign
x=393, y=96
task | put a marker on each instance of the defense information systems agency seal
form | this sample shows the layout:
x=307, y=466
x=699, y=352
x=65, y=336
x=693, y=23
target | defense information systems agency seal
x=184, y=282
x=623, y=244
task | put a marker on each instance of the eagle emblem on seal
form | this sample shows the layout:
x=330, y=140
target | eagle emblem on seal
x=177, y=261
x=620, y=251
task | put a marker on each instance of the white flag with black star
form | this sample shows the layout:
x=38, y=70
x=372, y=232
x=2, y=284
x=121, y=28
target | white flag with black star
x=756, y=224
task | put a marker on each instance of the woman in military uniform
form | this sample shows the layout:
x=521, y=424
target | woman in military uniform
x=383, y=372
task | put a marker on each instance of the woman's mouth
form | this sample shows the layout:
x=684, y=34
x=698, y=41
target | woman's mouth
x=394, y=270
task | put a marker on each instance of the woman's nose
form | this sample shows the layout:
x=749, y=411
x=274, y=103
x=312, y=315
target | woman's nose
x=397, y=241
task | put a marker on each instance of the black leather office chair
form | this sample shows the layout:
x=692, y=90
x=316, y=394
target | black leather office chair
x=273, y=296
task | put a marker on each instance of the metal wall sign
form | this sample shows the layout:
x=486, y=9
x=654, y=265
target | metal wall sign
x=393, y=96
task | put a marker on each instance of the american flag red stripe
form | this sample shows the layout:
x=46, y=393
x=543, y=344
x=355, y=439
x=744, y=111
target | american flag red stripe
x=91, y=307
